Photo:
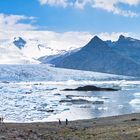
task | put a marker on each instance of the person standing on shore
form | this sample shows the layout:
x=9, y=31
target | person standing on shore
x=66, y=121
x=1, y=120
x=59, y=121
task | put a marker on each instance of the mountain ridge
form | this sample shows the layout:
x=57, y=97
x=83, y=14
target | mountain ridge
x=97, y=55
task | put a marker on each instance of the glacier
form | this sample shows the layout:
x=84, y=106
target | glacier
x=44, y=72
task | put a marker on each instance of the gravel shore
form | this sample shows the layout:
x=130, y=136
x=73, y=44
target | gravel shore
x=125, y=127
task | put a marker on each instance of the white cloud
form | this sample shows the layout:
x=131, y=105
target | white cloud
x=108, y=5
x=114, y=35
x=62, y=3
x=15, y=22
x=58, y=42
x=112, y=6
x=71, y=38
x=130, y=2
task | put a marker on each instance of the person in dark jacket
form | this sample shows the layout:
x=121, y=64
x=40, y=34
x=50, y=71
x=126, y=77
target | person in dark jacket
x=66, y=121
x=59, y=121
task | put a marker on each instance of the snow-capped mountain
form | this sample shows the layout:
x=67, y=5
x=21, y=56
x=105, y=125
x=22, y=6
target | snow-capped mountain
x=32, y=45
x=118, y=57
x=30, y=48
x=9, y=54
x=21, y=51
x=97, y=55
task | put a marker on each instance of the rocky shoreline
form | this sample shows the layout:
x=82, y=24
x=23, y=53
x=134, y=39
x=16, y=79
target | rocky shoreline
x=124, y=127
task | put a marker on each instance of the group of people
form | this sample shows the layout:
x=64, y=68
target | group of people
x=66, y=122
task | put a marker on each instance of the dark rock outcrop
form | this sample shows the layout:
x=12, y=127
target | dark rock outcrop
x=19, y=42
x=91, y=88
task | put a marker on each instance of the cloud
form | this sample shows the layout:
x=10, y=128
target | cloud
x=16, y=22
x=62, y=3
x=54, y=40
x=70, y=39
x=112, y=6
x=114, y=35
x=107, y=5
x=130, y=2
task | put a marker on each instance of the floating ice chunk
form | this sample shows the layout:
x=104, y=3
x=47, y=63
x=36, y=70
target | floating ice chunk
x=102, y=108
x=135, y=102
x=120, y=106
x=137, y=94
x=90, y=99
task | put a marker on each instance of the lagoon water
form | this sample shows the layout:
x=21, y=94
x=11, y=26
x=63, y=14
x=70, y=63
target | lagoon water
x=45, y=101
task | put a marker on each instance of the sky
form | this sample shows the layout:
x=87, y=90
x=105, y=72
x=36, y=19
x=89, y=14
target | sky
x=104, y=17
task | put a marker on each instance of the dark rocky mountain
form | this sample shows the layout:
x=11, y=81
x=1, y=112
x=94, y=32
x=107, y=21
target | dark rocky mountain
x=98, y=56
x=128, y=47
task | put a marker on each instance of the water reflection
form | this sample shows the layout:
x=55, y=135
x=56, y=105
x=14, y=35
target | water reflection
x=115, y=103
